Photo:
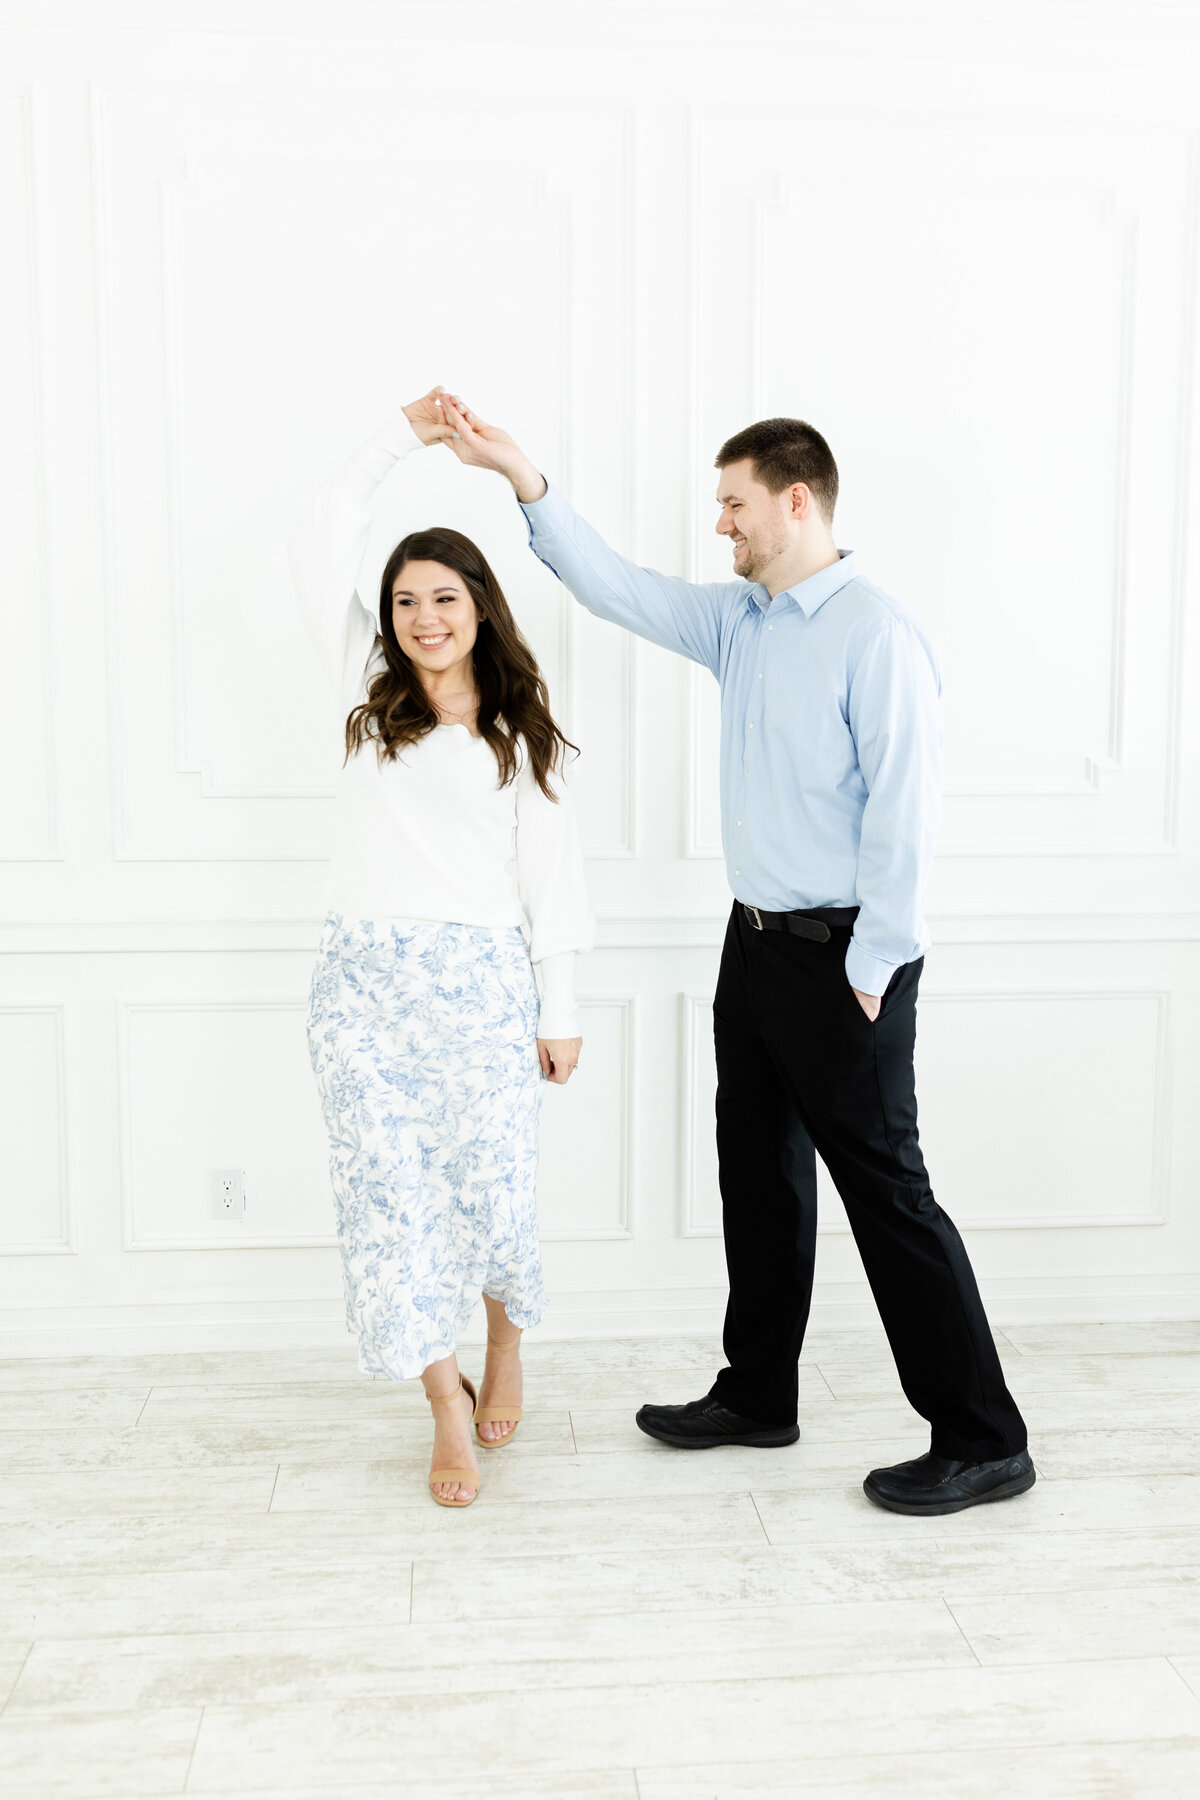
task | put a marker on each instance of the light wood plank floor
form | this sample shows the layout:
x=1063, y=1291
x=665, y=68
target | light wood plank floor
x=221, y=1575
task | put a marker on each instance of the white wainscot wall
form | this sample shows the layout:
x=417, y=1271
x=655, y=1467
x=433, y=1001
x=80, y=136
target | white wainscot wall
x=970, y=258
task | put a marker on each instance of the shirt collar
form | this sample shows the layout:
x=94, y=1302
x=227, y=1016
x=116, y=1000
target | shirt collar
x=810, y=594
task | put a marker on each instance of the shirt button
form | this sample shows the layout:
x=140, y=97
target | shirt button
x=760, y=674
x=752, y=724
x=770, y=628
x=739, y=821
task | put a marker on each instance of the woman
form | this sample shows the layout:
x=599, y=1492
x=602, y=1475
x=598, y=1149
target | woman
x=455, y=840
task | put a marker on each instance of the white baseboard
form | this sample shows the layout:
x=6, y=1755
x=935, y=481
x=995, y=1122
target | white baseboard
x=234, y=1322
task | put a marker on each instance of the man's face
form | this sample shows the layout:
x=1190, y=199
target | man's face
x=758, y=522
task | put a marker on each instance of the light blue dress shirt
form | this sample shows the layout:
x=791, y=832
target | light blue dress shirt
x=830, y=730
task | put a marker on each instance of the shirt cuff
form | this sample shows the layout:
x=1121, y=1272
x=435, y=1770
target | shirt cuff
x=546, y=515
x=556, y=980
x=396, y=436
x=869, y=974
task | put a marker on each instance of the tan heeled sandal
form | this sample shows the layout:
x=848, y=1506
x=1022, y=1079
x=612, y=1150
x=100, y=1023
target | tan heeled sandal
x=492, y=1415
x=466, y=1477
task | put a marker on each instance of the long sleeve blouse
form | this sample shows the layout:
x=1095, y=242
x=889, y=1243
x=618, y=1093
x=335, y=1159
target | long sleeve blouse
x=431, y=834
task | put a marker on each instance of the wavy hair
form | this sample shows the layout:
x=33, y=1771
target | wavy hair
x=513, y=699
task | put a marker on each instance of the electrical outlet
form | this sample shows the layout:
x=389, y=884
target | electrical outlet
x=229, y=1194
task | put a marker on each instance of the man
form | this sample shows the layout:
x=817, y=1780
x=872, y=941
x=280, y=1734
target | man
x=830, y=753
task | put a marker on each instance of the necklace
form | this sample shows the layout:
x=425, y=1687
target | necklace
x=459, y=718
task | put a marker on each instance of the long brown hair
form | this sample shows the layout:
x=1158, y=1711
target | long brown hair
x=513, y=699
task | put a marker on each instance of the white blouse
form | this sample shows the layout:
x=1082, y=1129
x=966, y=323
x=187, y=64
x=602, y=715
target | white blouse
x=431, y=834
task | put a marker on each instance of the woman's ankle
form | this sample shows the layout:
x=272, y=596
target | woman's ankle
x=442, y=1380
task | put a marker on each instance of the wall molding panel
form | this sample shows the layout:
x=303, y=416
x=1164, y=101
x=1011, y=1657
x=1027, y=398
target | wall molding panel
x=1148, y=205
x=29, y=805
x=34, y=1132
x=153, y=1125
x=1114, y=207
x=1139, y=1093
x=695, y=1022
x=582, y=1134
x=171, y=181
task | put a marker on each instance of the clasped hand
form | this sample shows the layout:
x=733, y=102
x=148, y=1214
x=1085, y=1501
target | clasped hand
x=442, y=418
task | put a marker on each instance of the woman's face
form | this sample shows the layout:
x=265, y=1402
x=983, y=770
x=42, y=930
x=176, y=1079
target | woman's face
x=435, y=619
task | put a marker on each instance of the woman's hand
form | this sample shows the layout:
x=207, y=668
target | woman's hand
x=558, y=1057
x=483, y=446
x=427, y=420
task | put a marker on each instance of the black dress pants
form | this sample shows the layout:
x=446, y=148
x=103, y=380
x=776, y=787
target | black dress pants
x=800, y=1065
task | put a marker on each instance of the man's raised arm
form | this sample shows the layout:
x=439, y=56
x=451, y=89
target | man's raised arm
x=679, y=615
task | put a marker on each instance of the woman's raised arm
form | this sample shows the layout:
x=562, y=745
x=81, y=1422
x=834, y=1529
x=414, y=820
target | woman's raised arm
x=326, y=548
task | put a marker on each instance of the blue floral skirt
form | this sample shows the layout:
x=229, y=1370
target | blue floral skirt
x=422, y=1038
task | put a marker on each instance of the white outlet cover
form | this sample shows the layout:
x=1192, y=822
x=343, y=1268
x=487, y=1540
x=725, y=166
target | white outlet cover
x=229, y=1194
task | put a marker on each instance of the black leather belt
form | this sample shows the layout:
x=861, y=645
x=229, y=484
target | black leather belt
x=813, y=922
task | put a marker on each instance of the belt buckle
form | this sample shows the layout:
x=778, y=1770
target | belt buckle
x=753, y=915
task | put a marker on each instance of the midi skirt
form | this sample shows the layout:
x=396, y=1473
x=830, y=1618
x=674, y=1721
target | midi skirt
x=423, y=1041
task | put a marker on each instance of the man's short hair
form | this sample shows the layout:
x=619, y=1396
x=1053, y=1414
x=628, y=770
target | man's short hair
x=783, y=452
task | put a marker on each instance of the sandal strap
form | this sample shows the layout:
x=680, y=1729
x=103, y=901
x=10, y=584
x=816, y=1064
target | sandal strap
x=441, y=1399
x=464, y=1386
x=465, y=1477
x=491, y=1415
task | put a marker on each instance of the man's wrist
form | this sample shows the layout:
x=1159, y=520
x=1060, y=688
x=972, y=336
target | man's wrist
x=528, y=485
